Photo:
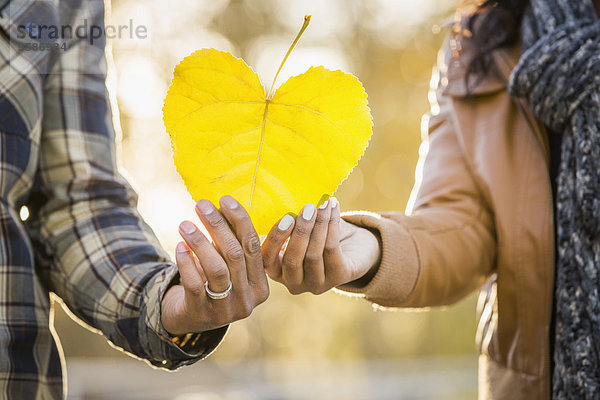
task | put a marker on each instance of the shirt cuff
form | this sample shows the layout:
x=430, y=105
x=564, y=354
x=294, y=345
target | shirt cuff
x=398, y=270
x=173, y=352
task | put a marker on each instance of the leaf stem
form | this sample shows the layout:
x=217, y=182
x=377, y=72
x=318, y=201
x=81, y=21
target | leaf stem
x=304, y=26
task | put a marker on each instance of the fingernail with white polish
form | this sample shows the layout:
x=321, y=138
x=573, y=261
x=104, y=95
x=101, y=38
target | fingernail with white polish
x=181, y=248
x=324, y=205
x=309, y=211
x=333, y=201
x=187, y=227
x=285, y=222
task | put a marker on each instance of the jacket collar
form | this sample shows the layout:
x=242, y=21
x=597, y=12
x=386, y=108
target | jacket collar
x=505, y=59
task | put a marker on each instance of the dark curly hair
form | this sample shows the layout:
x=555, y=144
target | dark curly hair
x=495, y=24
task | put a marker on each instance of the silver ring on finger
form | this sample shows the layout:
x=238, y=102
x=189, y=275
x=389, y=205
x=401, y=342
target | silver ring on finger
x=217, y=295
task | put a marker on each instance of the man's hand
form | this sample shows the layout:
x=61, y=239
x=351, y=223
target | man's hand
x=235, y=258
x=323, y=251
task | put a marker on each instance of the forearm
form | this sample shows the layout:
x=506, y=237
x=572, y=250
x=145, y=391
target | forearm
x=107, y=266
x=93, y=248
x=374, y=245
x=434, y=258
x=393, y=279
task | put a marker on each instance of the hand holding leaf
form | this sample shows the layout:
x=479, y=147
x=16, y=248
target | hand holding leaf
x=273, y=152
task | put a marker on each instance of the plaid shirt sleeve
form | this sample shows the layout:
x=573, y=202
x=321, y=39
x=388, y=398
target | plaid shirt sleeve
x=92, y=247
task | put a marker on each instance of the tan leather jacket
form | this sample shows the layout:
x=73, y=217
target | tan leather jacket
x=482, y=219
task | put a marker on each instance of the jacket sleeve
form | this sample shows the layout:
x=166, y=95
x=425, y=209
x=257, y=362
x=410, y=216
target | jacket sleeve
x=445, y=248
x=92, y=247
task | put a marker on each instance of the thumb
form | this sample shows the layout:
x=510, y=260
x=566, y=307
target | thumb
x=346, y=229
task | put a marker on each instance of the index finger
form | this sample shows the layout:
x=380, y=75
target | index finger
x=271, y=247
x=225, y=242
x=242, y=226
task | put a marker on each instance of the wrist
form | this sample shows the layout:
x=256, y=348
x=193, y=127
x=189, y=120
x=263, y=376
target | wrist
x=372, y=246
x=171, y=314
x=375, y=245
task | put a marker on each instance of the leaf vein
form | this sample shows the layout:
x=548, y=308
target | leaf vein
x=301, y=136
x=245, y=82
x=224, y=142
x=344, y=134
x=212, y=104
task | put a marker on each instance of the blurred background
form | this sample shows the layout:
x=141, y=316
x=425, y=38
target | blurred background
x=301, y=347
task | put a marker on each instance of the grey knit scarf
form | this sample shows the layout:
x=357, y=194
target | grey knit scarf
x=559, y=74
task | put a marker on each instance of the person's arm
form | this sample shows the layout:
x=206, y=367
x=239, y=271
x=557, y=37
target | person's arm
x=436, y=255
x=94, y=250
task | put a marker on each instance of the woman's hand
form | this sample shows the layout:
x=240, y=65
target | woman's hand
x=234, y=259
x=323, y=251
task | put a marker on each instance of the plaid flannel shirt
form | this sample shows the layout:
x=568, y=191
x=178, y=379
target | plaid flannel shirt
x=84, y=239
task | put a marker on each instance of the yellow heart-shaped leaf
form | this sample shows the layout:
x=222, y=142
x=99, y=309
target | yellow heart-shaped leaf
x=273, y=154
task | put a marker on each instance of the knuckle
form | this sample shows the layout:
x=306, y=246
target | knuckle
x=321, y=218
x=312, y=259
x=197, y=239
x=220, y=274
x=315, y=285
x=329, y=250
x=252, y=243
x=303, y=229
x=234, y=253
x=215, y=220
x=295, y=289
x=274, y=273
x=292, y=264
x=335, y=219
x=263, y=295
x=196, y=290
x=243, y=310
x=277, y=238
x=242, y=218
x=313, y=278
